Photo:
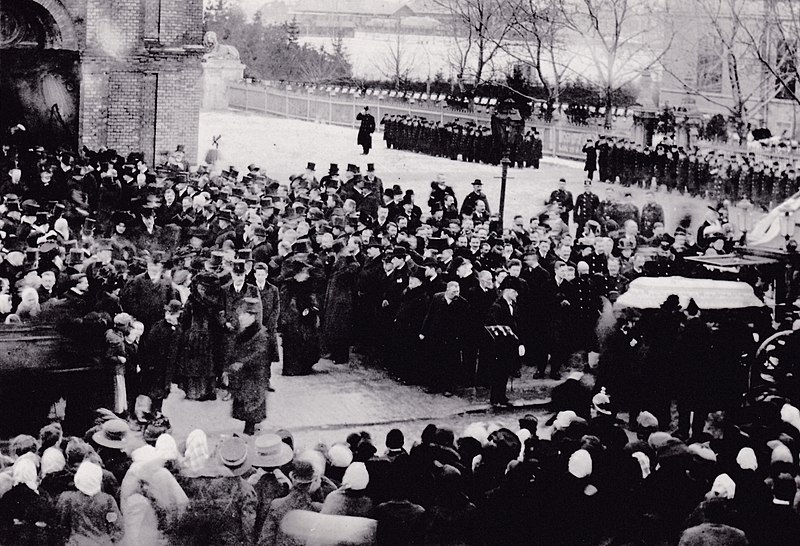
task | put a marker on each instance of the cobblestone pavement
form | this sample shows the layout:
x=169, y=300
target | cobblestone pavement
x=338, y=399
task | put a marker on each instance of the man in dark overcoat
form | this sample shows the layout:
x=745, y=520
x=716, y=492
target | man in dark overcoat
x=563, y=197
x=365, y=130
x=249, y=371
x=234, y=292
x=146, y=294
x=587, y=206
x=443, y=332
x=270, y=307
x=507, y=348
x=590, y=165
x=159, y=355
x=338, y=316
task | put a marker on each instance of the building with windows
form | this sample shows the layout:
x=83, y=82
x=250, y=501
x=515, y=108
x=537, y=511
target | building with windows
x=738, y=58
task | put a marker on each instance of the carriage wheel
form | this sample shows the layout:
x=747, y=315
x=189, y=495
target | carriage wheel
x=772, y=363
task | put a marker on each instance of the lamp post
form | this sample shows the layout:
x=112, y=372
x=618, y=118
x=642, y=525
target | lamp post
x=507, y=129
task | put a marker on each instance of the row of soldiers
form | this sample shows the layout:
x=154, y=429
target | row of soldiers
x=711, y=173
x=465, y=139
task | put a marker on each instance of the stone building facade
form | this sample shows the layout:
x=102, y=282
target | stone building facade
x=138, y=64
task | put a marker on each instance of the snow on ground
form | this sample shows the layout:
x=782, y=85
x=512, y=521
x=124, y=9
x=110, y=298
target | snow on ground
x=281, y=147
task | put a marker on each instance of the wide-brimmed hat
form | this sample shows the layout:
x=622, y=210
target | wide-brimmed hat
x=113, y=433
x=270, y=451
x=233, y=453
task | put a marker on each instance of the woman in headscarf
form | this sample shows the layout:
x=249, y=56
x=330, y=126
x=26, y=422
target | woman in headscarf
x=167, y=450
x=89, y=516
x=222, y=504
x=54, y=475
x=25, y=515
x=350, y=499
x=151, y=498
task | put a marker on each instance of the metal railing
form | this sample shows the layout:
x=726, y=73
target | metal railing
x=560, y=141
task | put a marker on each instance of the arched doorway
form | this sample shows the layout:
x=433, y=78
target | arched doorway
x=40, y=76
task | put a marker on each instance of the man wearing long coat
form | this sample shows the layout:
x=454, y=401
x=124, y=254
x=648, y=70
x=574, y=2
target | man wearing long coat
x=339, y=313
x=444, y=331
x=270, y=307
x=248, y=374
x=365, y=130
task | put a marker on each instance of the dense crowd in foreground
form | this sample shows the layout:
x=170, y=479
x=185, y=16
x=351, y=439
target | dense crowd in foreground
x=579, y=480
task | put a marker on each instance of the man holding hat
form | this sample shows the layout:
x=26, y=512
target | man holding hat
x=249, y=372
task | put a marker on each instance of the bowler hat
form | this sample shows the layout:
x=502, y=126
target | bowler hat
x=477, y=182
x=270, y=452
x=232, y=453
x=430, y=262
x=113, y=433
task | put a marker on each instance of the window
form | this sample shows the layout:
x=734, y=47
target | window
x=709, y=65
x=786, y=64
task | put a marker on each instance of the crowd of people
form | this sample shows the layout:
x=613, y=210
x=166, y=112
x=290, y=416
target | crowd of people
x=189, y=277
x=720, y=175
x=194, y=275
x=468, y=140
x=715, y=174
x=579, y=479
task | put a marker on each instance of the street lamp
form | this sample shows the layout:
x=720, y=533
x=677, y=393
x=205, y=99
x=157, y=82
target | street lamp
x=507, y=129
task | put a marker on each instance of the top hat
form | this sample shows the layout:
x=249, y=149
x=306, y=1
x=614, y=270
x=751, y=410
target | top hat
x=113, y=433
x=333, y=169
x=370, y=167
x=75, y=256
x=269, y=451
x=238, y=267
x=399, y=252
x=232, y=453
x=266, y=202
x=352, y=168
x=245, y=254
x=30, y=207
x=216, y=259
x=311, y=166
x=301, y=246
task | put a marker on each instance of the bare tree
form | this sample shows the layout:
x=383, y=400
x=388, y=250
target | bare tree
x=480, y=28
x=397, y=63
x=726, y=45
x=625, y=38
x=537, y=39
x=777, y=48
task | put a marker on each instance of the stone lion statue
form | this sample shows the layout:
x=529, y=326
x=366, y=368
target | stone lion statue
x=216, y=50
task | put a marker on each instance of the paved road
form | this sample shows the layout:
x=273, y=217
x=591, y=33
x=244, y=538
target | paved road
x=339, y=399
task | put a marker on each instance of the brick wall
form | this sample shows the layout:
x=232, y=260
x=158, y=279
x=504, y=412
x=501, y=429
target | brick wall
x=140, y=87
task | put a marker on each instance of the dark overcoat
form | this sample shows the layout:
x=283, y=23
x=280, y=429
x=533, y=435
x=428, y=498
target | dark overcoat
x=339, y=299
x=249, y=383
